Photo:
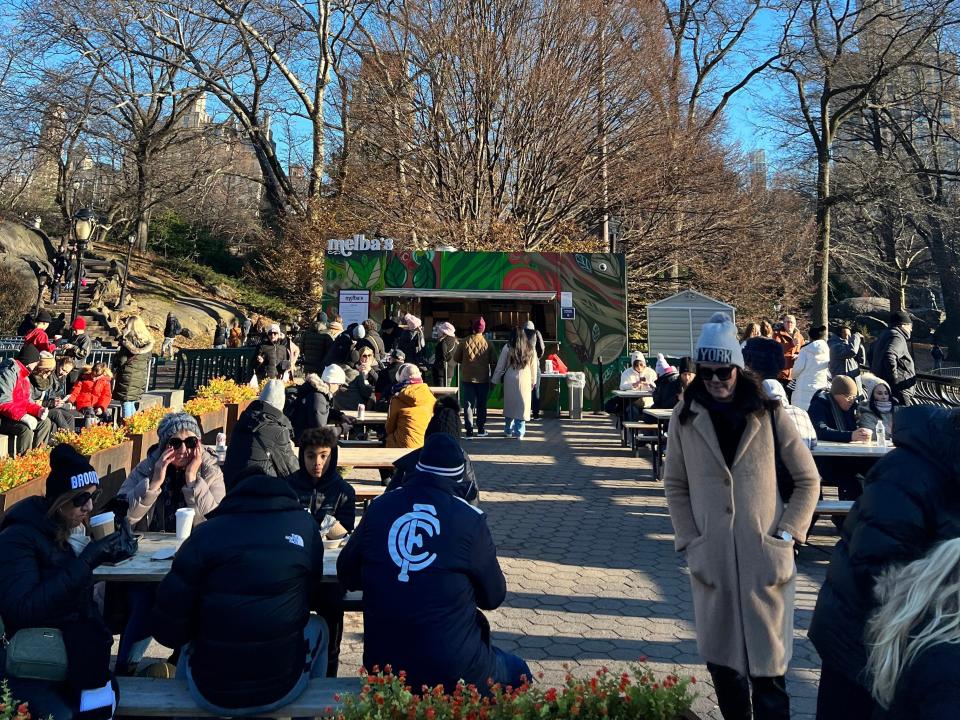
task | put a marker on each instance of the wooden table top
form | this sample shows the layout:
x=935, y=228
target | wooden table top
x=142, y=568
x=370, y=417
x=852, y=449
x=367, y=491
x=659, y=413
x=439, y=390
x=370, y=457
x=633, y=393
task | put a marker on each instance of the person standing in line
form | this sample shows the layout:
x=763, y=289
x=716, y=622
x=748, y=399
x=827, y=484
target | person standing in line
x=764, y=355
x=517, y=370
x=220, y=334
x=791, y=341
x=409, y=339
x=536, y=339
x=170, y=332
x=891, y=359
x=910, y=502
x=731, y=523
x=475, y=356
x=811, y=371
x=846, y=353
x=444, y=365
x=372, y=336
x=132, y=365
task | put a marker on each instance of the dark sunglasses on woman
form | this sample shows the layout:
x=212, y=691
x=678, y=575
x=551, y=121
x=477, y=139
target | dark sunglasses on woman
x=177, y=443
x=707, y=374
x=81, y=499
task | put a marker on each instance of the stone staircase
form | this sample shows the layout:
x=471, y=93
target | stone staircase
x=97, y=328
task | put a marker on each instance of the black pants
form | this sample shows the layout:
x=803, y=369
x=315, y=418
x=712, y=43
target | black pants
x=770, y=698
x=840, y=698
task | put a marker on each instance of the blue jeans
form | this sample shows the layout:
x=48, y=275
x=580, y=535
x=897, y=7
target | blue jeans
x=510, y=669
x=515, y=426
x=135, y=638
x=474, y=399
x=315, y=633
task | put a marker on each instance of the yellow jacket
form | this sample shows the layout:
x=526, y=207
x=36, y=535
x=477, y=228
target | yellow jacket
x=410, y=413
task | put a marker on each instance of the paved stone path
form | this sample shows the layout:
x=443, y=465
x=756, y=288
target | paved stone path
x=585, y=541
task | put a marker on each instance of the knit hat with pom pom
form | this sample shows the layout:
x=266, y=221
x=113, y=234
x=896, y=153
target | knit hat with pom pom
x=718, y=342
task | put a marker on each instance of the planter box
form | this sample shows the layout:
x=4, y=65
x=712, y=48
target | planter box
x=211, y=423
x=233, y=412
x=141, y=445
x=37, y=486
x=112, y=465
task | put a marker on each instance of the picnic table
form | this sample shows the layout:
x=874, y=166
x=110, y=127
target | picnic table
x=370, y=417
x=851, y=449
x=367, y=492
x=443, y=390
x=143, y=568
x=376, y=458
x=661, y=416
x=625, y=395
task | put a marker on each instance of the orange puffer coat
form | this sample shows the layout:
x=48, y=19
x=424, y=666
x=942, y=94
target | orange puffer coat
x=410, y=413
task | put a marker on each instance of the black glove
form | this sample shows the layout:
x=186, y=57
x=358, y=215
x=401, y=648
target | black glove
x=114, y=548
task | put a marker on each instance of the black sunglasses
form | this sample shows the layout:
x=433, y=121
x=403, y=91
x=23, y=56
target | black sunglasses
x=707, y=374
x=177, y=443
x=80, y=500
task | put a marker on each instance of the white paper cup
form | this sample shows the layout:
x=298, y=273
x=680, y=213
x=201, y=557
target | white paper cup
x=102, y=525
x=185, y=523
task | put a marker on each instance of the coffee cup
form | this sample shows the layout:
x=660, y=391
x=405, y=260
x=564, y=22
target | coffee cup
x=102, y=525
x=336, y=531
x=185, y=523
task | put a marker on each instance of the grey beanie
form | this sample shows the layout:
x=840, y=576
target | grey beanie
x=718, y=342
x=174, y=423
x=274, y=393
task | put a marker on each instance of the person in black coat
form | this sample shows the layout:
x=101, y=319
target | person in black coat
x=323, y=491
x=46, y=575
x=373, y=337
x=422, y=596
x=261, y=441
x=387, y=379
x=220, y=334
x=833, y=413
x=273, y=356
x=764, y=356
x=311, y=405
x=341, y=351
x=238, y=600
x=446, y=419
x=911, y=501
x=890, y=358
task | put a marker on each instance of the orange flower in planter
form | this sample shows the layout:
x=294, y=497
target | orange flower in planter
x=91, y=439
x=199, y=405
x=145, y=420
x=226, y=391
x=16, y=471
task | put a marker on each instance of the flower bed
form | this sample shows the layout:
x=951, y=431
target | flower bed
x=226, y=391
x=141, y=428
x=634, y=695
x=23, y=476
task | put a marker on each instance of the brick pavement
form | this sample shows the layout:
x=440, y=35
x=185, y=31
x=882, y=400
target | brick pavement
x=586, y=544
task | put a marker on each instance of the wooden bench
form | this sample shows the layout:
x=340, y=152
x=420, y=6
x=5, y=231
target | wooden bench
x=640, y=433
x=833, y=507
x=152, y=697
x=359, y=443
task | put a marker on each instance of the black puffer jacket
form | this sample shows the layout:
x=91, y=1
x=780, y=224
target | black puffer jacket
x=313, y=349
x=44, y=584
x=339, y=352
x=260, y=443
x=929, y=682
x=891, y=361
x=330, y=495
x=764, y=356
x=131, y=369
x=911, y=501
x=311, y=406
x=667, y=391
x=240, y=592
x=276, y=360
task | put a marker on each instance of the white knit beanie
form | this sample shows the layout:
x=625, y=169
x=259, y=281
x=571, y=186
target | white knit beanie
x=718, y=342
x=273, y=394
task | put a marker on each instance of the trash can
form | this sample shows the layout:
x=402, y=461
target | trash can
x=575, y=384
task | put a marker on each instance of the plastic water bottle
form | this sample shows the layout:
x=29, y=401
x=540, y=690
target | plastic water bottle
x=881, y=434
x=361, y=411
x=221, y=447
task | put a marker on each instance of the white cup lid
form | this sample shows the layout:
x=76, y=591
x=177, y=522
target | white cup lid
x=102, y=518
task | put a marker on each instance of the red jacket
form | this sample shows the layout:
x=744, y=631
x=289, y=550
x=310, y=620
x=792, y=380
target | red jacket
x=15, y=392
x=91, y=392
x=38, y=337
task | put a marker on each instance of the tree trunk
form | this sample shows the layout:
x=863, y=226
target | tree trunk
x=822, y=266
x=948, y=269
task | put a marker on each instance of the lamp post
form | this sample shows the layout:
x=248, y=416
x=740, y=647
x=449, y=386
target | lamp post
x=131, y=240
x=84, y=223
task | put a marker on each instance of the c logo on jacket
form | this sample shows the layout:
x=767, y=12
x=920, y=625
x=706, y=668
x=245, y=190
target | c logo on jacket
x=405, y=538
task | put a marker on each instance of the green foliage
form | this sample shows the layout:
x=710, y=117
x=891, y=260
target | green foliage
x=16, y=298
x=172, y=236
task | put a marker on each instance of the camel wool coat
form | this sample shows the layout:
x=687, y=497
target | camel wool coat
x=742, y=576
x=517, y=385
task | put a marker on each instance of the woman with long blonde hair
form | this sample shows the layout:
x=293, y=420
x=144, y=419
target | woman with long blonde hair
x=914, y=637
x=132, y=364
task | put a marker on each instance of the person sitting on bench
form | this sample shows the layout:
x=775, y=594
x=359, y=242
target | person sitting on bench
x=833, y=413
x=237, y=602
x=427, y=565
x=324, y=492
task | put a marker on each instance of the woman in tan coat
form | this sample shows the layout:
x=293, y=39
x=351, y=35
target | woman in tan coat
x=720, y=481
x=411, y=408
x=517, y=370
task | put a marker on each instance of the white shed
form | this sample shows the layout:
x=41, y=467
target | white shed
x=674, y=323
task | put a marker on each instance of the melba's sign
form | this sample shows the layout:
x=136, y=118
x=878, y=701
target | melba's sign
x=358, y=243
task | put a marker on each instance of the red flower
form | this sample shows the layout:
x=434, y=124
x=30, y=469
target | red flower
x=550, y=695
x=430, y=713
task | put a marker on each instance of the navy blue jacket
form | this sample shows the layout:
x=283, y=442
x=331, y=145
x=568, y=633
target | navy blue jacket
x=240, y=592
x=910, y=503
x=425, y=618
x=821, y=415
x=764, y=356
